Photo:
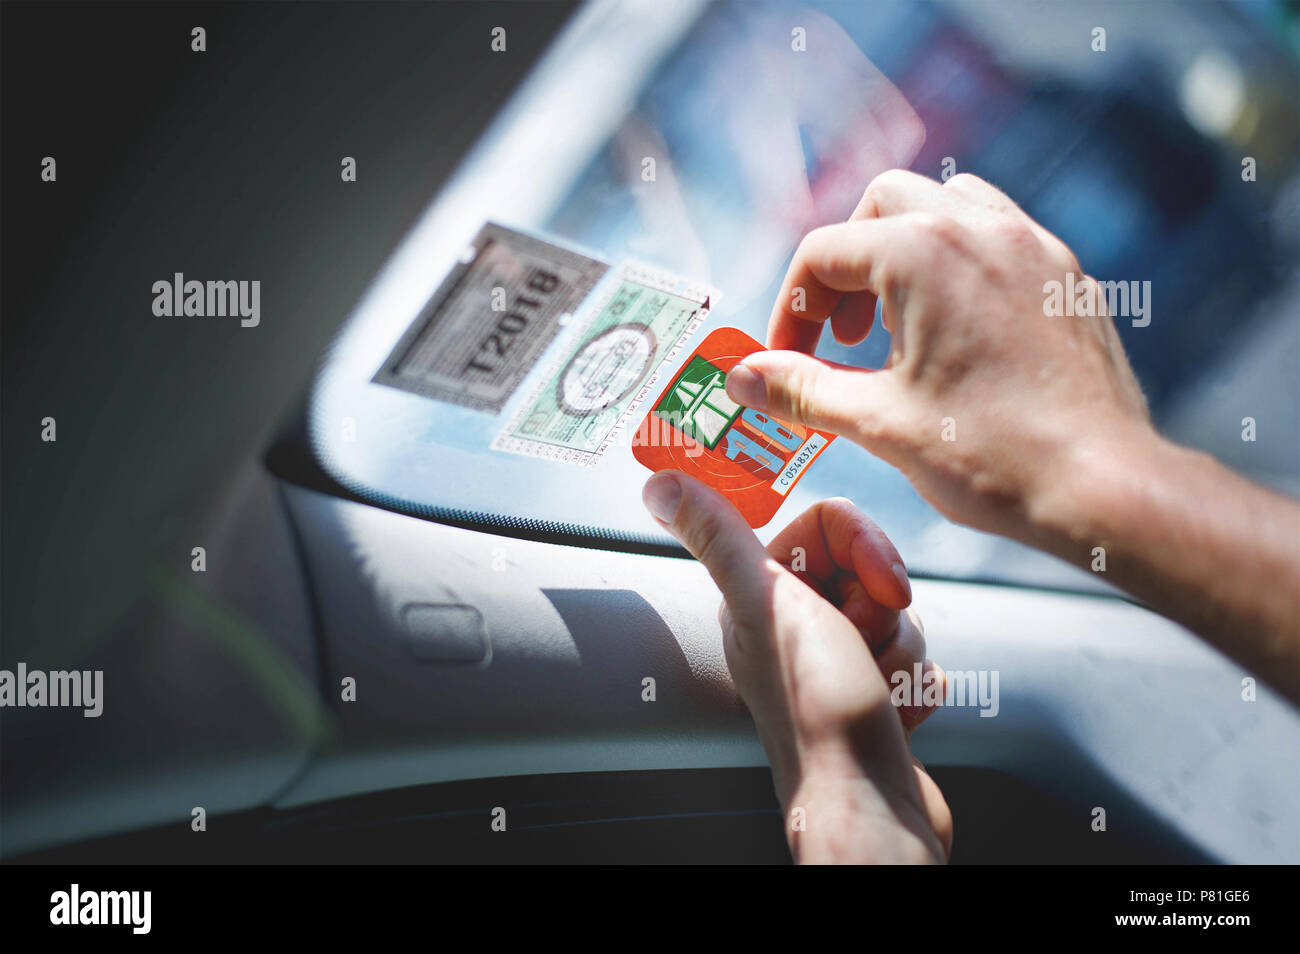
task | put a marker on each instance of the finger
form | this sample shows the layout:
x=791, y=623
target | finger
x=905, y=650
x=902, y=661
x=802, y=546
x=717, y=535
x=853, y=316
x=896, y=191
x=877, y=623
x=858, y=402
x=802, y=305
x=891, y=192
x=857, y=543
x=936, y=807
x=832, y=260
x=873, y=556
x=834, y=535
x=913, y=716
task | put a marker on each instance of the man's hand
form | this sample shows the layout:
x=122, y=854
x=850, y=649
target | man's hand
x=809, y=625
x=959, y=270
x=1019, y=422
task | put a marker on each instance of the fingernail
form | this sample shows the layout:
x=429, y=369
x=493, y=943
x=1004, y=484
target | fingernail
x=900, y=571
x=746, y=386
x=662, y=496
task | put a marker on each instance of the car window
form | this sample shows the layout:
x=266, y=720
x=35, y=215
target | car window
x=1163, y=151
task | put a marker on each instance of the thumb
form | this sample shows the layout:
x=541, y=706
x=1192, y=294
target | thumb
x=816, y=393
x=717, y=535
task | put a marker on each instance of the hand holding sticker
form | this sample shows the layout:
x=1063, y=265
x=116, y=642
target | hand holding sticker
x=750, y=456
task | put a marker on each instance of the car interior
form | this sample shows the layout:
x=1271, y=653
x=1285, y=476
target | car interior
x=420, y=633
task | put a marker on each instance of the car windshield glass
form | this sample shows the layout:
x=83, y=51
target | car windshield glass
x=1167, y=156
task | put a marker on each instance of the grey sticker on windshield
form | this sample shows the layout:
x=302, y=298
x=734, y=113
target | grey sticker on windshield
x=491, y=319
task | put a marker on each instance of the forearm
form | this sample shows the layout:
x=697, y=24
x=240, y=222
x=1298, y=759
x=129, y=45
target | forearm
x=1191, y=539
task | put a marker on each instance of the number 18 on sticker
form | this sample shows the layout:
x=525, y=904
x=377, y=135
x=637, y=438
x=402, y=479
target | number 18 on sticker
x=748, y=455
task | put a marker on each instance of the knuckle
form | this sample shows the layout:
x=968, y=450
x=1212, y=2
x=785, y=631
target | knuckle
x=801, y=401
x=1009, y=240
x=1061, y=257
x=884, y=185
x=832, y=252
x=896, y=271
x=1014, y=232
x=841, y=505
x=894, y=175
x=805, y=244
x=964, y=180
x=940, y=231
x=707, y=540
x=816, y=248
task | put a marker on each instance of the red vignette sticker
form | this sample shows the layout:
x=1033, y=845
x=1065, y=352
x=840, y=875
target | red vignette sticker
x=750, y=456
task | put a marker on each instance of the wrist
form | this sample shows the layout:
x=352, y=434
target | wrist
x=1095, y=486
x=856, y=821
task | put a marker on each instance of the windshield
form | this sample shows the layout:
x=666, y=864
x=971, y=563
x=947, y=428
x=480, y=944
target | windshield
x=752, y=123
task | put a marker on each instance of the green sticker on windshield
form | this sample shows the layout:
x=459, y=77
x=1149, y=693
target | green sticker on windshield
x=584, y=401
